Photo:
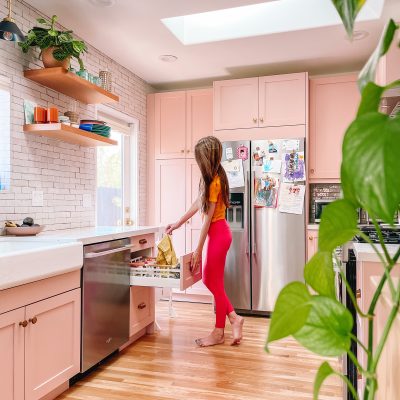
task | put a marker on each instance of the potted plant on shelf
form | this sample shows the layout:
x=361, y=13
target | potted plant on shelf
x=56, y=47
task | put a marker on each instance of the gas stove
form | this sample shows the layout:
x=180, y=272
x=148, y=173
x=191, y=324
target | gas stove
x=391, y=235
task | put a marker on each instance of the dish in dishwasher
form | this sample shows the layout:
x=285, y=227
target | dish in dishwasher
x=147, y=267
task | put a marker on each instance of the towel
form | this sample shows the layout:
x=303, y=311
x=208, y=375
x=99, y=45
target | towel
x=166, y=253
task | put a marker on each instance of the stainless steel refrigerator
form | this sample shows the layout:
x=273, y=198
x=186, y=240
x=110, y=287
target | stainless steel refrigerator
x=268, y=245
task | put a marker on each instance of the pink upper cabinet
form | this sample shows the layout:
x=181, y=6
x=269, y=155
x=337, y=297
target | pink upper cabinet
x=282, y=100
x=170, y=125
x=52, y=343
x=199, y=117
x=12, y=354
x=333, y=106
x=389, y=65
x=236, y=104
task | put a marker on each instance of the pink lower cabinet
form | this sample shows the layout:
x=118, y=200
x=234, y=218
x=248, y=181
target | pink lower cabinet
x=142, y=309
x=52, y=343
x=312, y=243
x=12, y=354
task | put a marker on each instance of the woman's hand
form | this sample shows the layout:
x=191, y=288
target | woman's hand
x=171, y=227
x=196, y=260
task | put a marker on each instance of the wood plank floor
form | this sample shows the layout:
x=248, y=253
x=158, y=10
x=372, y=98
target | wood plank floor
x=168, y=365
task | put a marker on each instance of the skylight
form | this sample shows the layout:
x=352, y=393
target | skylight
x=262, y=19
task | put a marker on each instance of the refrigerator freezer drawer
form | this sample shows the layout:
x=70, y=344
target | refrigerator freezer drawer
x=178, y=277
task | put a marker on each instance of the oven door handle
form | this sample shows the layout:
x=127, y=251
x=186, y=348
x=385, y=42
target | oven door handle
x=106, y=252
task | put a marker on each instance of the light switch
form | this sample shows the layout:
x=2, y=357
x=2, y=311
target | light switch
x=87, y=200
x=37, y=198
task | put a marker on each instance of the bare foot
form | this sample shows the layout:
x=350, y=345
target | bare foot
x=212, y=339
x=237, y=329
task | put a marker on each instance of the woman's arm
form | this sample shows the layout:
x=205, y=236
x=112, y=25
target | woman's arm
x=189, y=214
x=196, y=258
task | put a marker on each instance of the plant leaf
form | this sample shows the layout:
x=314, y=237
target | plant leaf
x=324, y=371
x=367, y=74
x=370, y=99
x=370, y=171
x=338, y=225
x=42, y=21
x=328, y=327
x=319, y=274
x=291, y=311
x=348, y=11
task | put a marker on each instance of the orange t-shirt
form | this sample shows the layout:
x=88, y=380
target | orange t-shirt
x=216, y=197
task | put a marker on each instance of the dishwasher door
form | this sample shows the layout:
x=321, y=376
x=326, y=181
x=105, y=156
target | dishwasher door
x=105, y=300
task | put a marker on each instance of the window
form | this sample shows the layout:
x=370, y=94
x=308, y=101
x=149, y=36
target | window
x=5, y=133
x=117, y=167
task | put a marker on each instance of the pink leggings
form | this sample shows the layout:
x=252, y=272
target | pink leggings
x=219, y=241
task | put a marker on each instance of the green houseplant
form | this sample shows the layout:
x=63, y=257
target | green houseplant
x=56, y=47
x=370, y=179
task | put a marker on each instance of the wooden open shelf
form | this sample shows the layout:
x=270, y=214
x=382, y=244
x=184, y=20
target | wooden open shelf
x=69, y=134
x=72, y=85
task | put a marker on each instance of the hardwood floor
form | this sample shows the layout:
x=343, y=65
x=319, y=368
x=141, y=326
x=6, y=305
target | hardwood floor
x=168, y=365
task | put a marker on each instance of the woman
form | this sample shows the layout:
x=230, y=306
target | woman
x=213, y=201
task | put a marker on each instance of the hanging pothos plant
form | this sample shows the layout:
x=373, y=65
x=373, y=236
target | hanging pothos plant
x=370, y=179
x=62, y=43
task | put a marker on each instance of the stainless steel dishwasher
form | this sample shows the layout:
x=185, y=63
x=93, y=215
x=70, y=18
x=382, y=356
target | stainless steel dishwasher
x=105, y=300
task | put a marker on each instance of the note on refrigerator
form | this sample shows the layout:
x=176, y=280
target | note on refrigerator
x=234, y=172
x=291, y=145
x=291, y=198
x=272, y=166
x=294, y=169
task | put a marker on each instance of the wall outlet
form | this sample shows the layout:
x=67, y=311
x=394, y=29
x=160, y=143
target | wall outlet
x=37, y=198
x=87, y=201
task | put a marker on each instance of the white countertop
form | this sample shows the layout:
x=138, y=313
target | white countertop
x=364, y=251
x=23, y=262
x=95, y=234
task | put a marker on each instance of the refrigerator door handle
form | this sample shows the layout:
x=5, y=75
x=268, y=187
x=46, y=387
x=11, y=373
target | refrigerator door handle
x=252, y=213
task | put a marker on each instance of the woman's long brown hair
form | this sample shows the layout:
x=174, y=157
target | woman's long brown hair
x=208, y=154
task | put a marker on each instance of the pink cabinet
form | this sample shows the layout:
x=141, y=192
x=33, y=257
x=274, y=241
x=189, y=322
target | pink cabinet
x=267, y=101
x=282, y=100
x=388, y=67
x=52, y=343
x=180, y=120
x=199, y=117
x=312, y=243
x=333, y=106
x=142, y=311
x=170, y=125
x=170, y=197
x=12, y=354
x=236, y=104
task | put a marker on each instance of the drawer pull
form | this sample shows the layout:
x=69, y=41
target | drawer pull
x=358, y=293
x=142, y=241
x=24, y=324
x=141, y=306
x=310, y=238
x=33, y=320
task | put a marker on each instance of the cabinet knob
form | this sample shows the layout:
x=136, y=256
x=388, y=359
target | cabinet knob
x=358, y=293
x=312, y=170
x=188, y=222
x=182, y=151
x=187, y=151
x=261, y=119
x=142, y=241
x=24, y=324
x=254, y=120
x=141, y=306
x=310, y=238
x=33, y=320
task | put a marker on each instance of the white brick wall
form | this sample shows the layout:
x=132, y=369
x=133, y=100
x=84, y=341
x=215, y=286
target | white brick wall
x=64, y=172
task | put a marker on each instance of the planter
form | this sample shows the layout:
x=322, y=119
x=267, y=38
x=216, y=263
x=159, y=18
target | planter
x=49, y=61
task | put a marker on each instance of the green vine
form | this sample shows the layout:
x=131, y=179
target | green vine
x=370, y=180
x=48, y=36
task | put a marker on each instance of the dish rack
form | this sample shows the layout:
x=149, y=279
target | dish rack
x=155, y=270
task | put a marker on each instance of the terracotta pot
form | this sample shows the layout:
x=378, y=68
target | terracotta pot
x=49, y=61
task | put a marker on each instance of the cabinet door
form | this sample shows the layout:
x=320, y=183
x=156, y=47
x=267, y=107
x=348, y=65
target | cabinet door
x=282, y=100
x=312, y=243
x=333, y=106
x=236, y=104
x=12, y=355
x=170, y=189
x=170, y=125
x=199, y=117
x=142, y=308
x=52, y=343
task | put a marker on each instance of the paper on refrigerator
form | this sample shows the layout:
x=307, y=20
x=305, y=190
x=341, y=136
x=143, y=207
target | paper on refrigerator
x=234, y=172
x=291, y=198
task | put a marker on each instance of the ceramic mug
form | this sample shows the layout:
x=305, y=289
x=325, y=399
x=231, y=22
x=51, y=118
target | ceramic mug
x=52, y=114
x=39, y=115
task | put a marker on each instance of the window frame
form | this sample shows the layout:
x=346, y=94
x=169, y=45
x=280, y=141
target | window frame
x=129, y=128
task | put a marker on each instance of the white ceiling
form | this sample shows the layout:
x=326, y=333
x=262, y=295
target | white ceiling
x=131, y=33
